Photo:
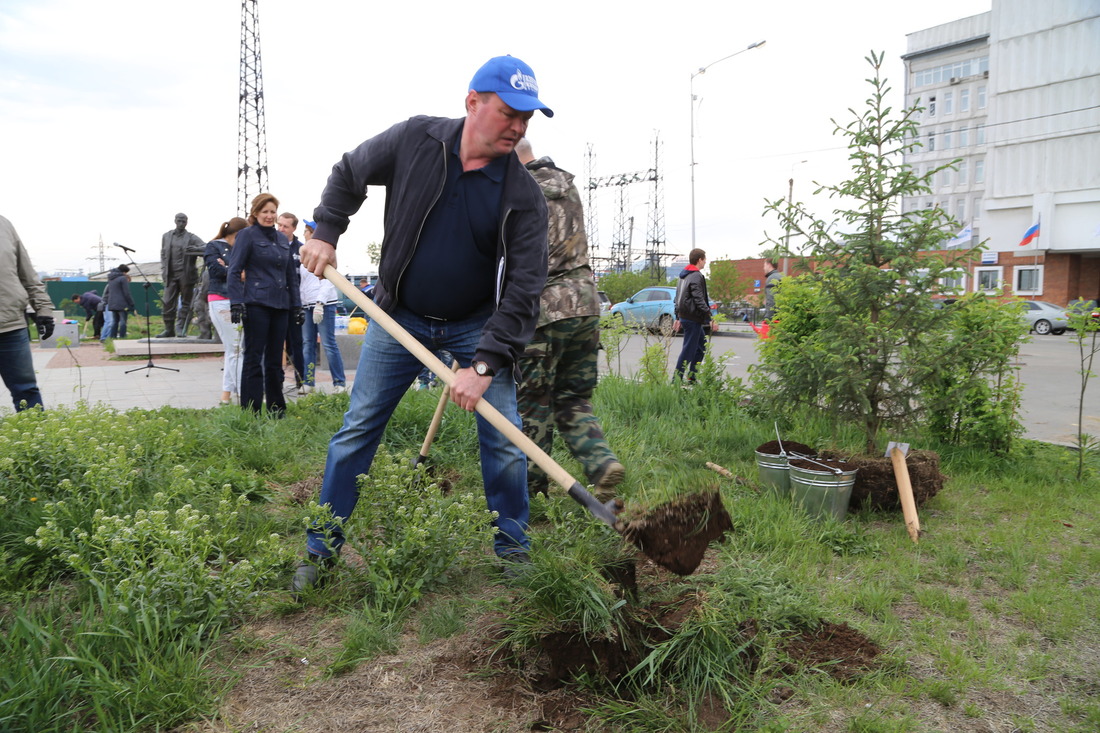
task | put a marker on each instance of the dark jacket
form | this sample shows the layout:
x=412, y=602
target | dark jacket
x=271, y=274
x=409, y=159
x=215, y=250
x=90, y=301
x=692, y=303
x=178, y=251
x=117, y=292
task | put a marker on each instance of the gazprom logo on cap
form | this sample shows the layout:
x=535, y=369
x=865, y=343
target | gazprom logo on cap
x=524, y=82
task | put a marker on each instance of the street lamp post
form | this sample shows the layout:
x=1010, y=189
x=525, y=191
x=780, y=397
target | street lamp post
x=790, y=200
x=702, y=69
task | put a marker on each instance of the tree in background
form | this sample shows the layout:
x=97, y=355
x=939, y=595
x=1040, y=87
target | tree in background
x=861, y=336
x=621, y=285
x=727, y=283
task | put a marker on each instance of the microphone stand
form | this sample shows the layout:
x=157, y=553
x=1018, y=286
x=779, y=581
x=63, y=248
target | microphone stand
x=148, y=328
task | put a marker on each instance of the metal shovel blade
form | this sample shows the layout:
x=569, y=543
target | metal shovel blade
x=903, y=447
x=896, y=452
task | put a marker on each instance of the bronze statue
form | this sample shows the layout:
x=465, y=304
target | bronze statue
x=179, y=249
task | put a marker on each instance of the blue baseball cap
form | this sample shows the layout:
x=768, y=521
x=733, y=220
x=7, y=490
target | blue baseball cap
x=511, y=80
x=311, y=224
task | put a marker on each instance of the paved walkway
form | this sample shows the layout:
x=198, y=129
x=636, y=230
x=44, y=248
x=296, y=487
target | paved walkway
x=87, y=373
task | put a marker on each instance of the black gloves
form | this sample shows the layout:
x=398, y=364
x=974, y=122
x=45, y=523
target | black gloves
x=299, y=316
x=237, y=313
x=45, y=326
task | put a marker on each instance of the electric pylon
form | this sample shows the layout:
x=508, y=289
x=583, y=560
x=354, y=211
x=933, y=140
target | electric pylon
x=251, y=129
x=101, y=257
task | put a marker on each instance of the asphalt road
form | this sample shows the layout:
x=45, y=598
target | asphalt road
x=1050, y=369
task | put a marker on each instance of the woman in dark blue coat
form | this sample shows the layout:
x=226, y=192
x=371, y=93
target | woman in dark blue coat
x=262, y=301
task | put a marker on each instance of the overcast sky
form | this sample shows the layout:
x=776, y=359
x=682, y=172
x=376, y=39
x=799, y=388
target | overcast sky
x=116, y=115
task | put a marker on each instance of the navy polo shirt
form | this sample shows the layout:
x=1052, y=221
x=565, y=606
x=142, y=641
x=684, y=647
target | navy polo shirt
x=452, y=273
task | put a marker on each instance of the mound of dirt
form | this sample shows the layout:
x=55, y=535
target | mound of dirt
x=875, y=483
x=675, y=535
x=565, y=653
x=837, y=649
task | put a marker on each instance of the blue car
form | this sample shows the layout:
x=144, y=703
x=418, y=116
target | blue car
x=650, y=308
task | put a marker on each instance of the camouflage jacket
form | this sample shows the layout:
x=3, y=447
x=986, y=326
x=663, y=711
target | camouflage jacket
x=570, y=289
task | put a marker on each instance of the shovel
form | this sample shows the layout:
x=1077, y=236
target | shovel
x=673, y=535
x=606, y=513
x=437, y=418
x=896, y=452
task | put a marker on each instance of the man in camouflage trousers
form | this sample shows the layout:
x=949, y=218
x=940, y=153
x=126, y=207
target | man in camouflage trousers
x=559, y=365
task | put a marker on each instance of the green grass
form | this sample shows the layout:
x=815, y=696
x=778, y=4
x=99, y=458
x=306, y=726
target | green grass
x=998, y=599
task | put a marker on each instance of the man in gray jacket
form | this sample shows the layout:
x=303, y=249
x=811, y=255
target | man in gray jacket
x=462, y=265
x=178, y=250
x=20, y=284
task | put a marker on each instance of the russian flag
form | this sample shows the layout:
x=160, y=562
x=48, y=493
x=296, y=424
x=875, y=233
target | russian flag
x=1030, y=235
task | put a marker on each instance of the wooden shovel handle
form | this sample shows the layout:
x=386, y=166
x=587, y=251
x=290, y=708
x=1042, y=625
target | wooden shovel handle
x=905, y=491
x=437, y=418
x=720, y=469
x=562, y=477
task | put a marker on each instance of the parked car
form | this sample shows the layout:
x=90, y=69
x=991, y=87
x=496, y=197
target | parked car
x=1085, y=306
x=1044, y=318
x=605, y=302
x=650, y=308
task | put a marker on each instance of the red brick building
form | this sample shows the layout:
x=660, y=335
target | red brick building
x=1055, y=277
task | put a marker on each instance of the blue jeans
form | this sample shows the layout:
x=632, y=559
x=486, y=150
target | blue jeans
x=386, y=370
x=427, y=377
x=114, y=324
x=693, y=350
x=17, y=368
x=327, y=329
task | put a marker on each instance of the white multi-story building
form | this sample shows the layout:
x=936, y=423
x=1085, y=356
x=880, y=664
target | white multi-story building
x=1013, y=95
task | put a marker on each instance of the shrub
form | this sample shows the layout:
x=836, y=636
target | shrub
x=409, y=532
x=974, y=396
x=191, y=568
x=90, y=458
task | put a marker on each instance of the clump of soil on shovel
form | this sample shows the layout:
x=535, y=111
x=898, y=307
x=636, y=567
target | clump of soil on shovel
x=877, y=487
x=676, y=535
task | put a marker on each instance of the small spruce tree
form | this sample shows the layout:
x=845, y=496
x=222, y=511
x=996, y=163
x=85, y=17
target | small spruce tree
x=860, y=335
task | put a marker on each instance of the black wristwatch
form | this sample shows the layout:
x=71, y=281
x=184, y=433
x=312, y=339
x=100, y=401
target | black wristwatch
x=483, y=370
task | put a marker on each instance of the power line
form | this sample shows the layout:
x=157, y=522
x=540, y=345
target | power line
x=986, y=126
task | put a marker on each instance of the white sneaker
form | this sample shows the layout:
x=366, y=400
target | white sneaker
x=339, y=389
x=301, y=389
x=308, y=388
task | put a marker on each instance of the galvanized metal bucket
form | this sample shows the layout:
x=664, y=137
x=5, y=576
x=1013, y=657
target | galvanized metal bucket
x=774, y=473
x=821, y=492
